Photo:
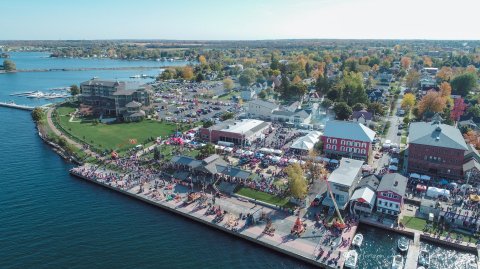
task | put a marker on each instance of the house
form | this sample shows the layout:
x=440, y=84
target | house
x=270, y=111
x=471, y=169
x=344, y=138
x=390, y=193
x=313, y=96
x=362, y=116
x=384, y=79
x=110, y=98
x=248, y=94
x=343, y=181
x=297, y=117
x=469, y=124
x=435, y=149
x=261, y=109
x=364, y=196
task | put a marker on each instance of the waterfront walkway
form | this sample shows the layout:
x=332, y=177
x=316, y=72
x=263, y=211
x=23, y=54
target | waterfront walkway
x=413, y=251
x=13, y=105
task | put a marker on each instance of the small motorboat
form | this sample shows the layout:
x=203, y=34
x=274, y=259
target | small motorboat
x=421, y=267
x=357, y=240
x=472, y=264
x=397, y=262
x=351, y=260
x=424, y=258
x=403, y=244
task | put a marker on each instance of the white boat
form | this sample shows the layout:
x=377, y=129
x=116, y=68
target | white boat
x=397, y=262
x=351, y=260
x=402, y=244
x=421, y=267
x=357, y=240
x=472, y=264
x=135, y=76
x=424, y=258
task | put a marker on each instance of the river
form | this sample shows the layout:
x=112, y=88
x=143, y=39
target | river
x=49, y=219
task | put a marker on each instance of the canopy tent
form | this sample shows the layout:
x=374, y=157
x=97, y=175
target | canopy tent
x=425, y=177
x=414, y=175
x=367, y=167
x=239, y=151
x=228, y=149
x=453, y=184
x=275, y=159
x=437, y=192
x=333, y=161
x=293, y=161
x=421, y=188
x=248, y=153
x=392, y=168
x=443, y=182
x=277, y=151
x=302, y=145
x=266, y=150
x=301, y=162
x=393, y=160
x=464, y=187
x=474, y=197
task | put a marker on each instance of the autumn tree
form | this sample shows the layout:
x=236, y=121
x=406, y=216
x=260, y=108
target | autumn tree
x=187, y=73
x=427, y=61
x=445, y=89
x=473, y=138
x=406, y=62
x=296, y=181
x=408, y=101
x=412, y=79
x=202, y=60
x=296, y=79
x=432, y=102
x=445, y=73
x=228, y=84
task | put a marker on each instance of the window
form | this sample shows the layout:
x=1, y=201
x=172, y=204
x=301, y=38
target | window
x=364, y=151
x=342, y=142
x=396, y=206
x=329, y=140
x=334, y=147
x=379, y=202
x=328, y=146
x=342, y=148
x=334, y=141
x=364, y=145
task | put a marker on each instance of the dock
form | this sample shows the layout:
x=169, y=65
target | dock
x=15, y=106
x=413, y=251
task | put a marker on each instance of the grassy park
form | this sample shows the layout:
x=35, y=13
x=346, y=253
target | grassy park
x=264, y=197
x=119, y=136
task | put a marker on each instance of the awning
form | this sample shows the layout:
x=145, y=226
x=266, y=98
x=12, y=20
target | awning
x=414, y=175
x=333, y=161
x=393, y=160
x=392, y=168
x=443, y=182
x=425, y=177
x=228, y=149
x=293, y=161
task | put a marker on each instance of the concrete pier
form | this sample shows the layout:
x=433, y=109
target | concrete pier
x=413, y=251
x=15, y=106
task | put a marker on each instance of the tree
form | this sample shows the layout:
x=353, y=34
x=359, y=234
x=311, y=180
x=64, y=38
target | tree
x=376, y=108
x=296, y=181
x=322, y=85
x=274, y=64
x=296, y=79
x=445, y=73
x=432, y=102
x=37, y=114
x=326, y=103
x=199, y=77
x=342, y=111
x=474, y=111
x=445, y=89
x=207, y=124
x=227, y=116
x=228, y=84
x=412, y=79
x=464, y=83
x=207, y=150
x=9, y=65
x=74, y=90
x=247, y=77
x=473, y=138
x=406, y=62
x=359, y=106
x=156, y=153
x=187, y=73
x=352, y=89
x=202, y=60
x=427, y=61
x=408, y=101
x=262, y=94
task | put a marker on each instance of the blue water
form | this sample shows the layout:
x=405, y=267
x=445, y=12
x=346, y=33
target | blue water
x=49, y=219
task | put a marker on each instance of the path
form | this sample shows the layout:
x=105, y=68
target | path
x=413, y=251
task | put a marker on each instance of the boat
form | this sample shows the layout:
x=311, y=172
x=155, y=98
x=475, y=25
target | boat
x=397, y=262
x=351, y=260
x=36, y=94
x=421, y=267
x=402, y=244
x=135, y=76
x=472, y=264
x=424, y=258
x=357, y=240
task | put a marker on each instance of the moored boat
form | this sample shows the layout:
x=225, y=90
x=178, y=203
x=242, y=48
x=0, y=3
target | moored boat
x=402, y=244
x=397, y=262
x=357, y=240
x=472, y=264
x=351, y=260
x=424, y=258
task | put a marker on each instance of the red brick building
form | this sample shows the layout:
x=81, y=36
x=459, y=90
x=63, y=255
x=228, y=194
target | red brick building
x=347, y=139
x=436, y=150
x=236, y=132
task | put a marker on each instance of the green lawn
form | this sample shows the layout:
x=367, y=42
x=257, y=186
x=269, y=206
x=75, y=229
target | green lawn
x=169, y=151
x=112, y=136
x=414, y=223
x=263, y=196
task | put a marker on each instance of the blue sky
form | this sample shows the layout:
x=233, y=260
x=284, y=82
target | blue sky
x=241, y=19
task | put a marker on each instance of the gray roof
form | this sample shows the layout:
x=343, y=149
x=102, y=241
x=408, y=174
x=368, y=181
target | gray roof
x=437, y=135
x=372, y=181
x=393, y=182
x=283, y=113
x=364, y=195
x=346, y=173
x=133, y=104
x=266, y=104
x=101, y=82
x=348, y=130
x=213, y=164
x=471, y=164
x=362, y=113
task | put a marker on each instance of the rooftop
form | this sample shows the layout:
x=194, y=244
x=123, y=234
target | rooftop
x=393, y=182
x=437, y=135
x=346, y=173
x=241, y=127
x=348, y=130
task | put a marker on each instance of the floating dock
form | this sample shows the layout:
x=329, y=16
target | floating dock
x=15, y=106
x=413, y=251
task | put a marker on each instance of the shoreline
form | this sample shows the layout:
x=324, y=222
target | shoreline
x=87, y=69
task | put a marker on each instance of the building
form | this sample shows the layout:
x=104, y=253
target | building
x=435, y=149
x=238, y=132
x=343, y=181
x=348, y=139
x=363, y=198
x=110, y=98
x=272, y=112
x=261, y=109
x=306, y=143
x=390, y=193
x=362, y=116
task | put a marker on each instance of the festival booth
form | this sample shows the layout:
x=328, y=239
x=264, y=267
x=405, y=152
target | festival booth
x=393, y=161
x=421, y=188
x=425, y=178
x=414, y=176
x=392, y=168
x=435, y=192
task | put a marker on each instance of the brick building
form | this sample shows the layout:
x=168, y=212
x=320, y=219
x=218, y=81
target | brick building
x=236, y=132
x=435, y=149
x=348, y=139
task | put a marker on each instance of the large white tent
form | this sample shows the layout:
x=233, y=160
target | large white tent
x=306, y=142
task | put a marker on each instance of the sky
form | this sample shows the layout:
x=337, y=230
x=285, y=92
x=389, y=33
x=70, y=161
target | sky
x=239, y=20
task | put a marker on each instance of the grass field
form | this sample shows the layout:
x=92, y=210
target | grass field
x=419, y=224
x=414, y=223
x=112, y=136
x=264, y=197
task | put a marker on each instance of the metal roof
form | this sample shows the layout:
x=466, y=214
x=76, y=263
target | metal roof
x=348, y=130
x=393, y=182
x=347, y=172
x=437, y=135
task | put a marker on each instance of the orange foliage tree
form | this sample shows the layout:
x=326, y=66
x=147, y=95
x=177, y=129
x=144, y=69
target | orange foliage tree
x=405, y=62
x=445, y=73
x=473, y=138
x=427, y=61
x=432, y=102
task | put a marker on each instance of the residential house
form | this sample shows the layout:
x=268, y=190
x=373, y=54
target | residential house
x=261, y=109
x=364, y=196
x=435, y=149
x=364, y=117
x=348, y=139
x=390, y=194
x=343, y=182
